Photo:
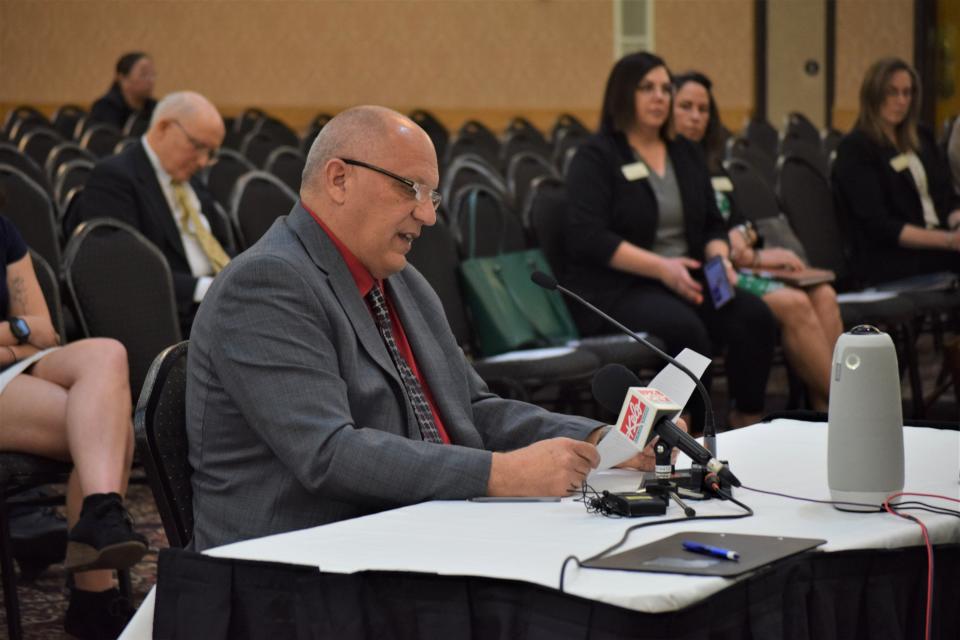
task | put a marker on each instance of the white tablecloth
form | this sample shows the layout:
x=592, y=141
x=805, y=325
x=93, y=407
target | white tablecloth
x=529, y=541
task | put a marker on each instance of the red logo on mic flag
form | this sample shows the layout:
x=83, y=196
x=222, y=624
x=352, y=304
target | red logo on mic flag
x=633, y=418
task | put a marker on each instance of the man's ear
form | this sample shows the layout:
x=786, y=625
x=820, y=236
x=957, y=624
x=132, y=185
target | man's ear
x=335, y=180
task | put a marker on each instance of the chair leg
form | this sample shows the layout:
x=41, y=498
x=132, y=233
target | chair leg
x=913, y=369
x=10, y=600
x=124, y=584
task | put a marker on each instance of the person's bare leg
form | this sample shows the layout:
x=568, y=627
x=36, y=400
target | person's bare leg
x=98, y=408
x=804, y=342
x=824, y=299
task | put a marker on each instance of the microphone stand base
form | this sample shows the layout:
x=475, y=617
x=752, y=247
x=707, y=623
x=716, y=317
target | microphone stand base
x=688, y=482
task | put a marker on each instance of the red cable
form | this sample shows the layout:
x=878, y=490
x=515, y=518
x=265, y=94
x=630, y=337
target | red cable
x=926, y=540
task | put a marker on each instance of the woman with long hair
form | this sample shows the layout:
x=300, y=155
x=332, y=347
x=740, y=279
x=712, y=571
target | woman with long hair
x=131, y=91
x=809, y=319
x=893, y=183
x=643, y=221
x=70, y=403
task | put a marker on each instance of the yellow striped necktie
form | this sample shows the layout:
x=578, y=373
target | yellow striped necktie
x=191, y=223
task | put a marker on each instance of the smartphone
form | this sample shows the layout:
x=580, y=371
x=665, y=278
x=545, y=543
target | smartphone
x=715, y=274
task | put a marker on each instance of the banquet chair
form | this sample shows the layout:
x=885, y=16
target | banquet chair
x=160, y=430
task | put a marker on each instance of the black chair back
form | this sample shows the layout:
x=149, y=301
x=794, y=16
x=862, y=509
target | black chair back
x=564, y=141
x=224, y=173
x=17, y=116
x=567, y=122
x=287, y=164
x=136, y=125
x=277, y=130
x=50, y=286
x=257, y=200
x=812, y=152
x=12, y=156
x=65, y=120
x=64, y=152
x=763, y=137
x=753, y=195
x=522, y=139
x=434, y=128
x=798, y=126
x=482, y=224
x=470, y=169
x=32, y=211
x=743, y=149
x=523, y=169
x=544, y=218
x=160, y=429
x=807, y=200
x=69, y=176
x=247, y=120
x=257, y=147
x=434, y=254
x=829, y=141
x=475, y=138
x=120, y=287
x=101, y=139
x=37, y=144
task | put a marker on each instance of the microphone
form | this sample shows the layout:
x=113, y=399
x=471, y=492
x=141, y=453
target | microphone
x=709, y=427
x=614, y=381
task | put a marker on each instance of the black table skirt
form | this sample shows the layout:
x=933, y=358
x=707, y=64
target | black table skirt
x=869, y=594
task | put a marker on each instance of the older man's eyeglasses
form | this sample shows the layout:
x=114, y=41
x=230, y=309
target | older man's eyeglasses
x=198, y=146
x=421, y=192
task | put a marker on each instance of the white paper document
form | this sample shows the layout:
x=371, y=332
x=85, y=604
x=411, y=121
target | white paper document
x=675, y=384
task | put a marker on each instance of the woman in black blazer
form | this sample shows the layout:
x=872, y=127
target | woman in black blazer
x=641, y=222
x=893, y=184
x=131, y=91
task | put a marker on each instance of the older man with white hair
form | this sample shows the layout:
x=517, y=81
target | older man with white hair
x=152, y=186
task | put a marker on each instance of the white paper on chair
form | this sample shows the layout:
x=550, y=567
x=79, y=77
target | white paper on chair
x=675, y=384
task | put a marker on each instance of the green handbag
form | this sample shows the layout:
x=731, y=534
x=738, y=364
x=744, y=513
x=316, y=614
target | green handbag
x=507, y=309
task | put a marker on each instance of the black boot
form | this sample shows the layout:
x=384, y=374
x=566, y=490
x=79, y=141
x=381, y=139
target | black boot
x=103, y=538
x=38, y=535
x=97, y=615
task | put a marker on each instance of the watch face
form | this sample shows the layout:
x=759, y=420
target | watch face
x=20, y=329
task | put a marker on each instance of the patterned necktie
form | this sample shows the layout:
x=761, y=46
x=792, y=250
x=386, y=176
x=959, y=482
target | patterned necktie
x=191, y=223
x=421, y=409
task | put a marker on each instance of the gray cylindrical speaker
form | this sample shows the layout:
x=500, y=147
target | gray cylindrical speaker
x=865, y=432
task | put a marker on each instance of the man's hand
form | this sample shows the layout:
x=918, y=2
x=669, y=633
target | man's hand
x=646, y=459
x=554, y=467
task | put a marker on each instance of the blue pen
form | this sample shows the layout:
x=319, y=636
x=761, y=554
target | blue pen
x=710, y=550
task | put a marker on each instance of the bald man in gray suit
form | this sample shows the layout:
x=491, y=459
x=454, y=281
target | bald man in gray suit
x=302, y=410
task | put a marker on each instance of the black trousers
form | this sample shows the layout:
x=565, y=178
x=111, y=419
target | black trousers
x=744, y=326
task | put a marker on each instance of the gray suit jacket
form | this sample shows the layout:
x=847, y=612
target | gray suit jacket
x=296, y=416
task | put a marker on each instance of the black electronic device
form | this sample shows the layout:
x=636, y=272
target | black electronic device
x=630, y=504
x=20, y=329
x=715, y=275
x=709, y=426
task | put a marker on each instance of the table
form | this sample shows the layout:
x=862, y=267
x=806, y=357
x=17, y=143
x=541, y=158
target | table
x=528, y=542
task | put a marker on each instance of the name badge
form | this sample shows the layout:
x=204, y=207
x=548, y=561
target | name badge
x=900, y=162
x=635, y=171
x=721, y=183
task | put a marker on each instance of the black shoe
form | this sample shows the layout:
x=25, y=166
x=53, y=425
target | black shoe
x=103, y=538
x=97, y=615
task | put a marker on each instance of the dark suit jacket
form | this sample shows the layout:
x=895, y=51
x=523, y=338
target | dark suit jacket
x=113, y=109
x=876, y=201
x=605, y=209
x=125, y=187
x=296, y=415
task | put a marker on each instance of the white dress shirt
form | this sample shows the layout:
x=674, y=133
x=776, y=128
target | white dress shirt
x=196, y=258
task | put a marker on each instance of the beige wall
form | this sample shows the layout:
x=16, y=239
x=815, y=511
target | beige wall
x=796, y=34
x=297, y=57
x=716, y=38
x=461, y=58
x=867, y=30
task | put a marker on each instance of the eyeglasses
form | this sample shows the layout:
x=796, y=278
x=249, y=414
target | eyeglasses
x=198, y=146
x=420, y=191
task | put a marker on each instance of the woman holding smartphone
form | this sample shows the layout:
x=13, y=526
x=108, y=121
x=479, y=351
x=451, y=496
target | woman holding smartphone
x=642, y=222
x=809, y=319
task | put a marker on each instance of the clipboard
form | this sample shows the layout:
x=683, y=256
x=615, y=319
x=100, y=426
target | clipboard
x=668, y=555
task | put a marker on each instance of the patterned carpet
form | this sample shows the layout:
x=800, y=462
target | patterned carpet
x=43, y=602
